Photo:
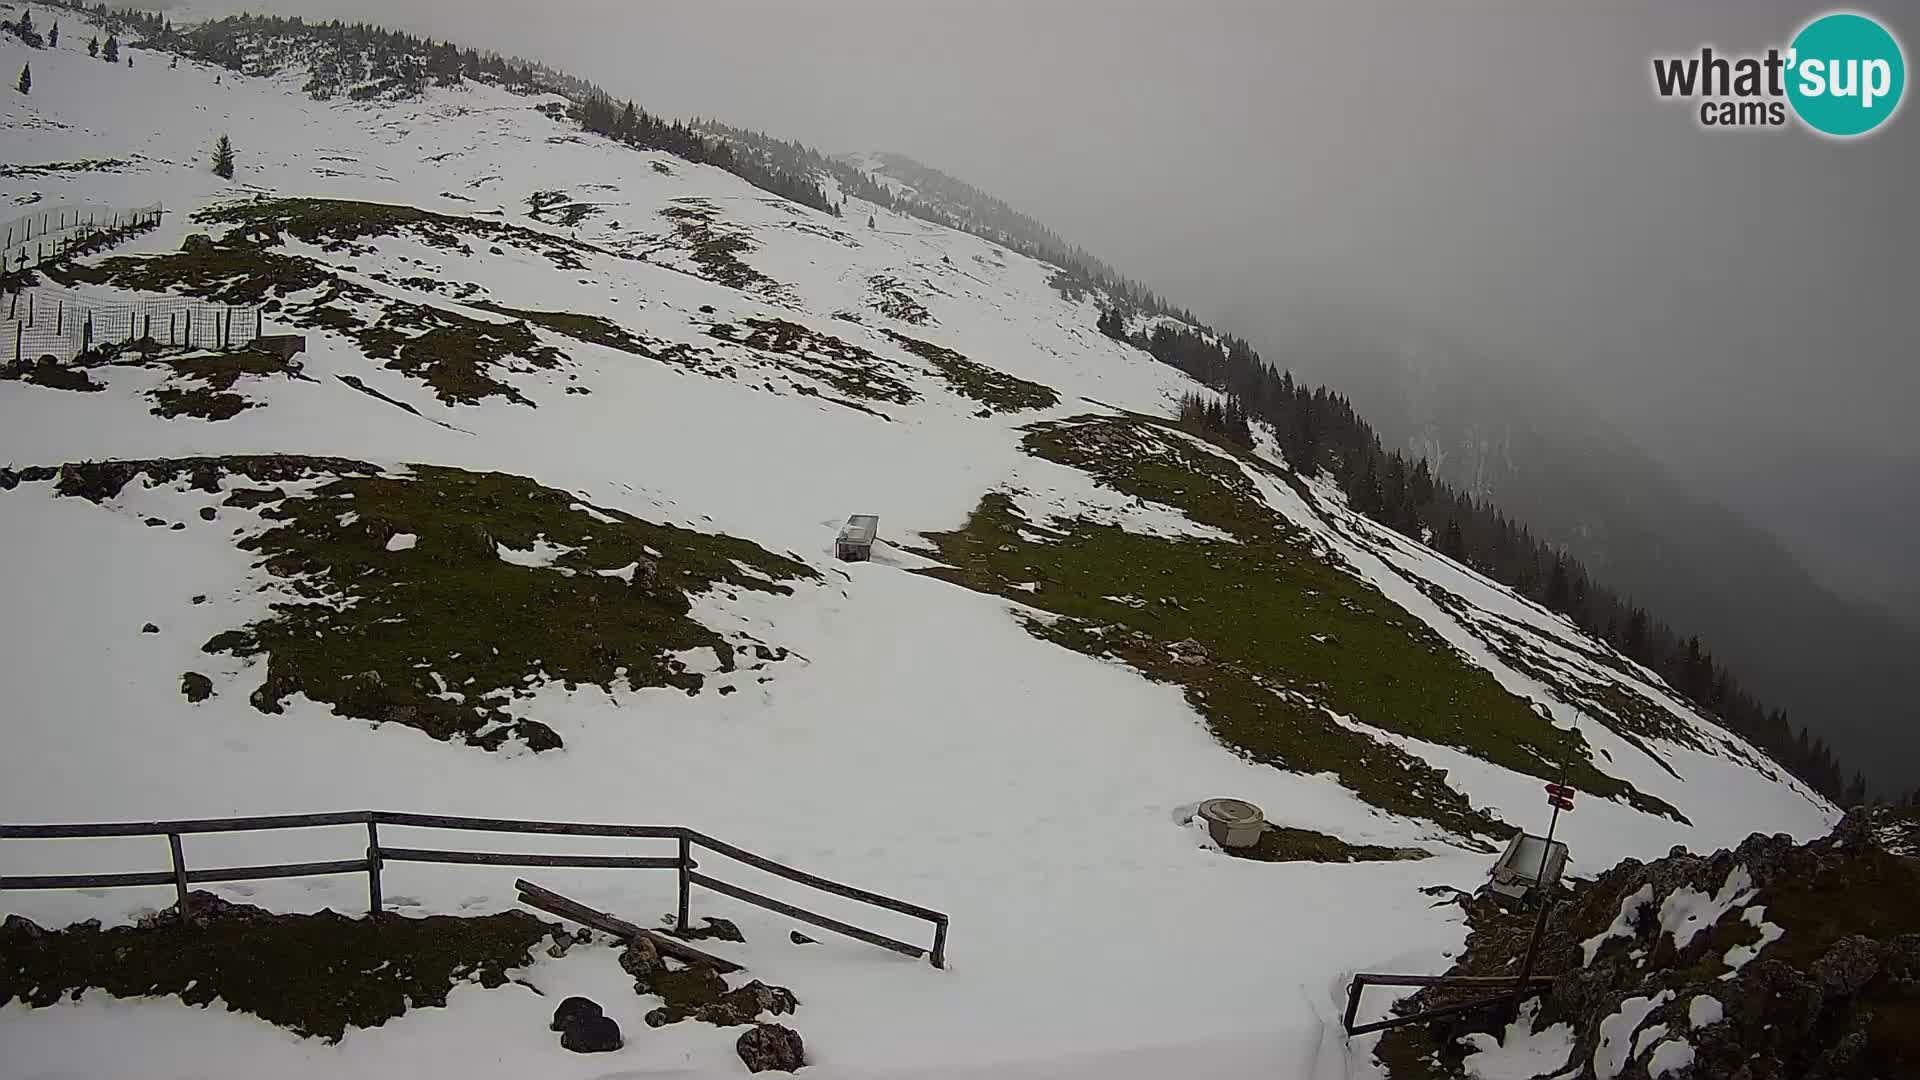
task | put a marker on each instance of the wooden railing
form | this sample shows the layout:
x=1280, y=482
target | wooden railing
x=180, y=876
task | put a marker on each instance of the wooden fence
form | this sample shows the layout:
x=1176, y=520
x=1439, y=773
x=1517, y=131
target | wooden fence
x=180, y=876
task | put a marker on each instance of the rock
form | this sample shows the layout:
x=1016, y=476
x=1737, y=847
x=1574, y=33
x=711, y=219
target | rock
x=201, y=599
x=799, y=938
x=641, y=960
x=208, y=513
x=771, y=1046
x=196, y=687
x=573, y=1010
x=149, y=629
x=197, y=244
x=592, y=1035
x=718, y=929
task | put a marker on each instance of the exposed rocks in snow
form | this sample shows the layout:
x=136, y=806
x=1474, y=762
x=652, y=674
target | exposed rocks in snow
x=573, y=1010
x=1821, y=995
x=591, y=1034
x=196, y=687
x=716, y=929
x=771, y=1047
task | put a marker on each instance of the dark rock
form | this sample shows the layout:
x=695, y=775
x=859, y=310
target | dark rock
x=592, y=1035
x=177, y=526
x=149, y=629
x=717, y=929
x=572, y=1010
x=197, y=244
x=771, y=1047
x=154, y=522
x=196, y=687
x=799, y=938
x=208, y=513
x=201, y=599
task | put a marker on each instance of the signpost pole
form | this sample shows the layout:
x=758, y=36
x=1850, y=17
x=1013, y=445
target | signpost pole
x=1560, y=797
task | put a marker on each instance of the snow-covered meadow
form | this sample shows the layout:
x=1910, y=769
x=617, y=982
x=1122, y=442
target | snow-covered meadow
x=923, y=743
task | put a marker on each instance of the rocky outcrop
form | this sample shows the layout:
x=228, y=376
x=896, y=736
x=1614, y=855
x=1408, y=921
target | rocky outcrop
x=1772, y=961
x=771, y=1047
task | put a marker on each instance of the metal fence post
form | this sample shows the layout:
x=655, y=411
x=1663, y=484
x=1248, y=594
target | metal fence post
x=373, y=867
x=179, y=873
x=686, y=883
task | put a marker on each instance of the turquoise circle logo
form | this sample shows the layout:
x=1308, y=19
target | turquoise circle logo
x=1847, y=74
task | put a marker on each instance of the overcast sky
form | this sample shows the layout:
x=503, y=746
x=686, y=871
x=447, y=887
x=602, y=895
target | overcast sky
x=1500, y=172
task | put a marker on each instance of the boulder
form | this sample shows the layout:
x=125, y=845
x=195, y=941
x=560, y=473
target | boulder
x=572, y=1011
x=771, y=1046
x=197, y=244
x=592, y=1035
x=641, y=960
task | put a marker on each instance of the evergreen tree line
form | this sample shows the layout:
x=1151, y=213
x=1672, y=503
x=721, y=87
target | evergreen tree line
x=637, y=128
x=1318, y=429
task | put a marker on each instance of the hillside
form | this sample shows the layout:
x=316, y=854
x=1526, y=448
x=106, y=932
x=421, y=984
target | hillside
x=540, y=525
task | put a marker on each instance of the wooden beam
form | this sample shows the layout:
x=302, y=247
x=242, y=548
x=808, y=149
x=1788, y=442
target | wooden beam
x=554, y=904
x=488, y=858
x=559, y=828
x=824, y=885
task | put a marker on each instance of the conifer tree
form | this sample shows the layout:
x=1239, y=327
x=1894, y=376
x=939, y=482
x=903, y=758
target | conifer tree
x=869, y=221
x=25, y=85
x=24, y=28
x=53, y=35
x=111, y=51
x=93, y=46
x=223, y=158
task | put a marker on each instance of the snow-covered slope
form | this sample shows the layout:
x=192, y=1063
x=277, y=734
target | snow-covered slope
x=661, y=340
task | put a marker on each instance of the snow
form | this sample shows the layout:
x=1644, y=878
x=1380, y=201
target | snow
x=1521, y=1053
x=1741, y=955
x=921, y=743
x=1686, y=912
x=402, y=542
x=1622, y=925
x=1673, y=1055
x=1704, y=1010
x=1647, y=1037
x=1612, y=1052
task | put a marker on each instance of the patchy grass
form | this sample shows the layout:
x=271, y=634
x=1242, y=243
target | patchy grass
x=202, y=385
x=455, y=355
x=842, y=365
x=714, y=248
x=445, y=635
x=558, y=208
x=316, y=975
x=1279, y=843
x=888, y=295
x=598, y=330
x=227, y=273
x=1266, y=636
x=345, y=225
x=997, y=390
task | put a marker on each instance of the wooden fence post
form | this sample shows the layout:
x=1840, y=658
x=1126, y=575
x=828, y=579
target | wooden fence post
x=259, y=323
x=373, y=867
x=686, y=883
x=59, y=316
x=170, y=341
x=179, y=873
x=187, y=338
x=19, y=334
x=940, y=944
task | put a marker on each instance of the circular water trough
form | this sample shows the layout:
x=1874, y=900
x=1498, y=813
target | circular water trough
x=1233, y=823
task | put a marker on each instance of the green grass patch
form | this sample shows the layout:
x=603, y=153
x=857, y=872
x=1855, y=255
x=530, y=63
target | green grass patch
x=202, y=385
x=1280, y=843
x=997, y=390
x=316, y=975
x=446, y=636
x=455, y=355
x=1265, y=634
x=713, y=248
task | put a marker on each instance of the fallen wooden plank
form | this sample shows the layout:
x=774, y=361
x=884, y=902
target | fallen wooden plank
x=553, y=903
